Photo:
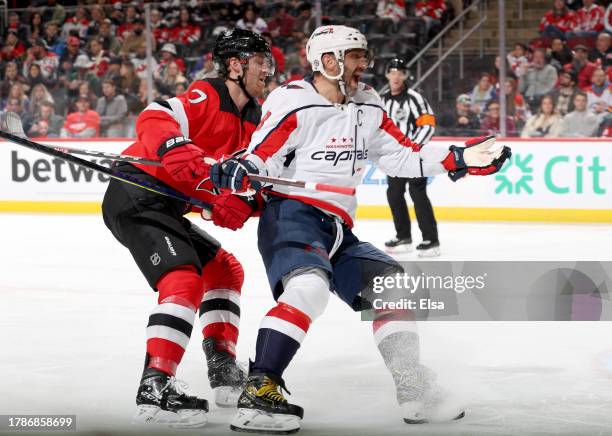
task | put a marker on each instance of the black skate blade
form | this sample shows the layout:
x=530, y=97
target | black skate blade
x=426, y=421
x=248, y=430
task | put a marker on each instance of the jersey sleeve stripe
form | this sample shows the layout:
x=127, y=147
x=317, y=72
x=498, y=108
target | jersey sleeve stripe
x=276, y=138
x=181, y=115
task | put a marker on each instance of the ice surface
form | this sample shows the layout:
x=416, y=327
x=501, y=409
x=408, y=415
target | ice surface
x=74, y=308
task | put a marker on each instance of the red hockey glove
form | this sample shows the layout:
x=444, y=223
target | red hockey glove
x=231, y=211
x=183, y=160
x=479, y=157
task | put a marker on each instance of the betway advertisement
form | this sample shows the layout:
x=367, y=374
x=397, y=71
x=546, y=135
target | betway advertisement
x=561, y=174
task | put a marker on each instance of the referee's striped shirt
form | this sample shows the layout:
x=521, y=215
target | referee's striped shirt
x=411, y=113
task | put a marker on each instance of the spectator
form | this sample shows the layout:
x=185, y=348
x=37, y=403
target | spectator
x=599, y=98
x=185, y=32
x=251, y=21
x=47, y=61
x=516, y=107
x=608, y=19
x=13, y=49
x=235, y=10
x=133, y=39
x=605, y=128
x=38, y=95
x=46, y=124
x=15, y=25
x=141, y=102
x=208, y=70
x=11, y=76
x=34, y=76
x=100, y=58
x=546, y=123
x=83, y=123
x=114, y=71
x=168, y=55
x=431, y=12
x=17, y=91
x=482, y=93
x=305, y=22
x=394, y=10
x=517, y=59
x=109, y=42
x=172, y=76
x=490, y=122
x=52, y=39
x=129, y=81
x=582, y=66
x=112, y=109
x=98, y=16
x=35, y=28
x=564, y=93
x=558, y=21
x=589, y=20
x=537, y=80
x=84, y=91
x=53, y=12
x=15, y=105
x=128, y=22
x=560, y=54
x=580, y=122
x=79, y=23
x=281, y=23
x=463, y=121
x=139, y=59
x=159, y=27
x=69, y=57
x=602, y=52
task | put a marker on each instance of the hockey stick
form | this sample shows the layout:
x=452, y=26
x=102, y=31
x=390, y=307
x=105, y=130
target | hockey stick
x=119, y=175
x=15, y=126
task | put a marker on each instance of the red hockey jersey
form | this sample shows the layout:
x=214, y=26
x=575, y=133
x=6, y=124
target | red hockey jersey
x=206, y=115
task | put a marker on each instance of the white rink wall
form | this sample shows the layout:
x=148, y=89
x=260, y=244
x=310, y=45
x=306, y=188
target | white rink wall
x=545, y=180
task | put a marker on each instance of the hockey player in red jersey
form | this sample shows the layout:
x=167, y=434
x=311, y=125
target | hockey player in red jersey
x=187, y=267
x=323, y=130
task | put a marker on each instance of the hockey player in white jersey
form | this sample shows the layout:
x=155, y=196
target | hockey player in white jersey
x=324, y=130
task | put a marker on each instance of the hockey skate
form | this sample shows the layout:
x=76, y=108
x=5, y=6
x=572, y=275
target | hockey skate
x=160, y=400
x=262, y=408
x=428, y=249
x=422, y=400
x=227, y=379
x=398, y=245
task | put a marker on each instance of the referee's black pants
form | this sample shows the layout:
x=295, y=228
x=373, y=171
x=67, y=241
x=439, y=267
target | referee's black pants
x=417, y=188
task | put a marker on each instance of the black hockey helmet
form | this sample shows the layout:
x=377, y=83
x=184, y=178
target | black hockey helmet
x=396, y=64
x=241, y=44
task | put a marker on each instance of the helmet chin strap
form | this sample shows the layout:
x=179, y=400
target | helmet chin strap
x=340, y=76
x=240, y=81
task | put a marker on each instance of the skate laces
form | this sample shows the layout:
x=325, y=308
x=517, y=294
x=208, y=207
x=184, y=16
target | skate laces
x=179, y=386
x=270, y=390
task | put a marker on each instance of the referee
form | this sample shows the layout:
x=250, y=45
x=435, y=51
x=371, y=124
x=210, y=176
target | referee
x=415, y=118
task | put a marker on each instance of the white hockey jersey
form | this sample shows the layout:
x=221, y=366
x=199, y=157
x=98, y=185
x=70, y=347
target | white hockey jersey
x=303, y=136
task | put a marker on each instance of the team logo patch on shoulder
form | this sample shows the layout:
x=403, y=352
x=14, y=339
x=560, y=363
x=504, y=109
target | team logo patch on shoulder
x=200, y=98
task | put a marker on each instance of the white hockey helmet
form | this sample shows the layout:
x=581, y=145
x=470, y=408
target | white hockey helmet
x=333, y=39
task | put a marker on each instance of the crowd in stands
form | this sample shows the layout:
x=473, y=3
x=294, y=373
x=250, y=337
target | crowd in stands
x=558, y=85
x=79, y=68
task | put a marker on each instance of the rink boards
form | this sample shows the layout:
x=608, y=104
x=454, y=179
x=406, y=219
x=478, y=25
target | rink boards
x=546, y=180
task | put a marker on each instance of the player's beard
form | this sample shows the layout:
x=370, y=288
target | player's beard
x=255, y=85
x=351, y=83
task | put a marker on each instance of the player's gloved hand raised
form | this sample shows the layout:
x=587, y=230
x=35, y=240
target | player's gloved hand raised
x=232, y=174
x=230, y=211
x=480, y=157
x=185, y=163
